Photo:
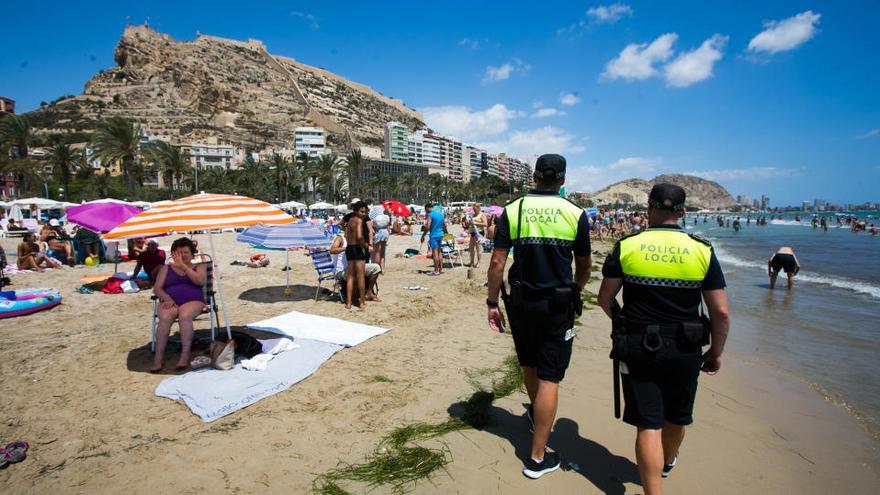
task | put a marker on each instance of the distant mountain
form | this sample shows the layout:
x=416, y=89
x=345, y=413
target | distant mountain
x=237, y=91
x=701, y=193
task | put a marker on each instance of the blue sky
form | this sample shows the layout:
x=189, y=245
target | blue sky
x=778, y=98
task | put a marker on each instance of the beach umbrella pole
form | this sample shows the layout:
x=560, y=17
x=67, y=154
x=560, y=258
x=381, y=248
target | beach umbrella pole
x=219, y=285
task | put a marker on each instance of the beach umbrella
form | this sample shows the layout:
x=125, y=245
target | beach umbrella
x=201, y=212
x=341, y=208
x=101, y=217
x=494, y=210
x=293, y=205
x=300, y=234
x=321, y=206
x=397, y=208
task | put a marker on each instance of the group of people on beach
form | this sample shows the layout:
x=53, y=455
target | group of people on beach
x=53, y=246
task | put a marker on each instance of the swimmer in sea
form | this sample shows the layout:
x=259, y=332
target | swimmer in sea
x=783, y=259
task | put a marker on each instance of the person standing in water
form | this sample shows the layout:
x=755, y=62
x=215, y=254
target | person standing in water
x=783, y=259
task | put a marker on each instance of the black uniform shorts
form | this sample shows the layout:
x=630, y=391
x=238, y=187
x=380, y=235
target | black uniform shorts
x=661, y=386
x=543, y=336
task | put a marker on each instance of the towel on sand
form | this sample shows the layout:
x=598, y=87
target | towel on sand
x=305, y=326
x=271, y=347
x=212, y=394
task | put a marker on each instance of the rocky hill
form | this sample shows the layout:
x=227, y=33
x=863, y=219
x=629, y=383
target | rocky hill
x=701, y=193
x=237, y=91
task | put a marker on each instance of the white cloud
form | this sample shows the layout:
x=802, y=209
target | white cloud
x=696, y=65
x=569, y=99
x=537, y=104
x=527, y=145
x=787, y=34
x=470, y=43
x=503, y=73
x=637, y=61
x=313, y=21
x=548, y=112
x=609, y=14
x=593, y=177
x=461, y=122
x=869, y=134
x=743, y=174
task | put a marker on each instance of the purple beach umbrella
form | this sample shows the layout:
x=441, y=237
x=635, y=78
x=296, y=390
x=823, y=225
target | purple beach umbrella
x=101, y=217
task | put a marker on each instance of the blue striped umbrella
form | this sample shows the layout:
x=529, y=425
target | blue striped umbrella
x=300, y=234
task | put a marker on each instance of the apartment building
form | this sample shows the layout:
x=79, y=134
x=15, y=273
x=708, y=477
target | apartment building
x=310, y=140
x=211, y=153
x=396, y=142
x=7, y=106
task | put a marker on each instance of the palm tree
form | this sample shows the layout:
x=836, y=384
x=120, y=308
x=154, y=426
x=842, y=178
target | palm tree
x=65, y=160
x=305, y=166
x=172, y=162
x=326, y=169
x=116, y=140
x=15, y=131
x=25, y=171
x=280, y=164
x=217, y=180
x=355, y=162
x=253, y=180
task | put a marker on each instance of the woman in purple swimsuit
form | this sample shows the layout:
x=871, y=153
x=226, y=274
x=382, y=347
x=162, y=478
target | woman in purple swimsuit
x=179, y=288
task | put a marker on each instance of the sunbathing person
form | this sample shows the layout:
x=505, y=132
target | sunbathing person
x=150, y=260
x=255, y=261
x=179, y=288
x=136, y=247
x=30, y=258
x=58, y=241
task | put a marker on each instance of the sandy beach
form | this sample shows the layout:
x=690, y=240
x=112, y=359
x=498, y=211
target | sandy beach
x=75, y=385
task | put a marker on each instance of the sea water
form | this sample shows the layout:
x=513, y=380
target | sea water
x=825, y=331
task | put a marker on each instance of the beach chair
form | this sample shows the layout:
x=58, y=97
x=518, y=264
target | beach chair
x=209, y=298
x=323, y=262
x=450, y=250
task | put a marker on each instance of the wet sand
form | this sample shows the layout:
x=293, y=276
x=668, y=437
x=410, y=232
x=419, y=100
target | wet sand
x=75, y=386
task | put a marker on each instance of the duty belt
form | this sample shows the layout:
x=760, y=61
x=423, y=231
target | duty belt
x=652, y=333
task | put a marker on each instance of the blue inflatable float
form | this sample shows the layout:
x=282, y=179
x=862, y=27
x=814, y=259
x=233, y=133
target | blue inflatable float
x=26, y=301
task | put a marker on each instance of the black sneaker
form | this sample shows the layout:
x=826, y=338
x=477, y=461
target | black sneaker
x=667, y=468
x=535, y=470
x=531, y=417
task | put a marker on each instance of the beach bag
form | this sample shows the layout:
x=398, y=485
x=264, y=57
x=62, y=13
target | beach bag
x=223, y=355
x=246, y=346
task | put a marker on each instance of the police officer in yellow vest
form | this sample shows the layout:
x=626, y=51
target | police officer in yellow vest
x=546, y=233
x=658, y=335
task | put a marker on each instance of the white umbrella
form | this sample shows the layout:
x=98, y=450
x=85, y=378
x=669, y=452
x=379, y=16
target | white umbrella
x=292, y=205
x=321, y=206
x=40, y=203
x=141, y=204
x=107, y=200
x=341, y=208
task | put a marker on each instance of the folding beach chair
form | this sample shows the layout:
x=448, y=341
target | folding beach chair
x=323, y=262
x=209, y=298
x=450, y=251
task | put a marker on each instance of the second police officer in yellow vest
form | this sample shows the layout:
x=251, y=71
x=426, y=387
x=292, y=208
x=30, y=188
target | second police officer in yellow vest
x=546, y=233
x=659, y=333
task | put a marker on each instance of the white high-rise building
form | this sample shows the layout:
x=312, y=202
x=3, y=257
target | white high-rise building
x=310, y=140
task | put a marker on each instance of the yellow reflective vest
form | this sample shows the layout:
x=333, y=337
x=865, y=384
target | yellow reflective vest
x=546, y=219
x=665, y=258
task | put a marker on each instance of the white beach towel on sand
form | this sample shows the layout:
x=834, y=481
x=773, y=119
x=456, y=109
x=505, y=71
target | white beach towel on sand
x=212, y=394
x=325, y=329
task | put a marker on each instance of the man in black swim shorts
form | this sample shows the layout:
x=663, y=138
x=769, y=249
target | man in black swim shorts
x=356, y=253
x=783, y=259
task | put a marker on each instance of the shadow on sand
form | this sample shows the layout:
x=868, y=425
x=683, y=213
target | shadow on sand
x=606, y=471
x=275, y=294
x=140, y=358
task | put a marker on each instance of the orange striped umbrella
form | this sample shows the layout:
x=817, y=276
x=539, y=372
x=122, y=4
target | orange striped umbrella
x=200, y=212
